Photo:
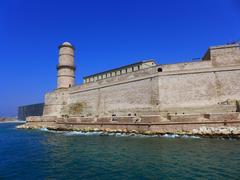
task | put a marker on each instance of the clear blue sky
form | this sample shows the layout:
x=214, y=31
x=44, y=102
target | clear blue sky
x=106, y=34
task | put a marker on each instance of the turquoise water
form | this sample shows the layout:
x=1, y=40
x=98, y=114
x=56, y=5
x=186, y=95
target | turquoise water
x=40, y=154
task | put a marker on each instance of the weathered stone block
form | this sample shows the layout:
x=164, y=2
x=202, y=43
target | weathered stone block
x=87, y=119
x=185, y=118
x=125, y=119
x=104, y=119
x=224, y=117
x=153, y=119
x=49, y=118
x=34, y=119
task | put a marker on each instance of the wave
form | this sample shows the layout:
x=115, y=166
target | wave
x=179, y=136
x=44, y=129
x=101, y=133
x=51, y=131
x=190, y=136
x=75, y=133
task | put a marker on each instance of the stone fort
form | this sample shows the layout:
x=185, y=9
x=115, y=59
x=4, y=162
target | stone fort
x=146, y=94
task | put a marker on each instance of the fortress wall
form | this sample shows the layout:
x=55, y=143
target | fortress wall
x=116, y=79
x=228, y=85
x=198, y=89
x=216, y=56
x=186, y=90
x=118, y=99
x=225, y=55
x=187, y=66
x=198, y=85
x=88, y=100
x=167, y=91
x=54, y=102
x=145, y=94
x=107, y=96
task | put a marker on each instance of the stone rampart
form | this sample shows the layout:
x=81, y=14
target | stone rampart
x=200, y=91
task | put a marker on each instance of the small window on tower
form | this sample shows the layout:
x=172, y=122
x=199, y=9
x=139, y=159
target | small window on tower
x=70, y=85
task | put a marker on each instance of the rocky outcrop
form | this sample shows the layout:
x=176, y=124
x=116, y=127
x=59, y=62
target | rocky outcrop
x=217, y=131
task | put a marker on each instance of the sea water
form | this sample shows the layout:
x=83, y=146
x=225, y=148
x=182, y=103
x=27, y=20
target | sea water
x=44, y=154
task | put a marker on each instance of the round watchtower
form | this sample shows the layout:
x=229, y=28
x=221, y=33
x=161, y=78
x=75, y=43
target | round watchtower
x=66, y=67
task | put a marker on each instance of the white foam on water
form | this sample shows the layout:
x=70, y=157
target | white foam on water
x=77, y=133
x=99, y=133
x=51, y=131
x=171, y=135
x=120, y=134
x=190, y=136
x=43, y=129
x=179, y=136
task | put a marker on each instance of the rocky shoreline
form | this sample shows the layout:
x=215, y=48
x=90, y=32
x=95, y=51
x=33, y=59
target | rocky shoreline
x=212, y=132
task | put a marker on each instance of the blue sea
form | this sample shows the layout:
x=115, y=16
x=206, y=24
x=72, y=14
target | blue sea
x=43, y=154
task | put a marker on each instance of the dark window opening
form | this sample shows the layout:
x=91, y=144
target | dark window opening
x=70, y=85
x=225, y=123
x=129, y=114
x=159, y=69
x=238, y=106
x=114, y=119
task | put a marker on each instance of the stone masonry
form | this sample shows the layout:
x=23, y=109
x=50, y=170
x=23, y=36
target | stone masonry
x=176, y=97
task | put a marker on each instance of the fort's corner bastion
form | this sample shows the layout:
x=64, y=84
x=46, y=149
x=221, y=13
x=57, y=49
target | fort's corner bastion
x=145, y=96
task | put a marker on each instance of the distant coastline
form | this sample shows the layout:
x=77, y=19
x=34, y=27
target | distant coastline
x=9, y=119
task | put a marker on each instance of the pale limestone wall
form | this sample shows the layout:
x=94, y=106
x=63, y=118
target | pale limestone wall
x=187, y=66
x=89, y=101
x=186, y=90
x=118, y=99
x=225, y=55
x=54, y=102
x=107, y=96
x=200, y=89
x=228, y=85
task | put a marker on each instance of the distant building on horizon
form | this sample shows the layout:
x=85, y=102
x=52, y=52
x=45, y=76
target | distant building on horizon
x=30, y=110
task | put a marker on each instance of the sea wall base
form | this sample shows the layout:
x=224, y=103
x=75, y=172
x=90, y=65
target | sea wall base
x=227, y=124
